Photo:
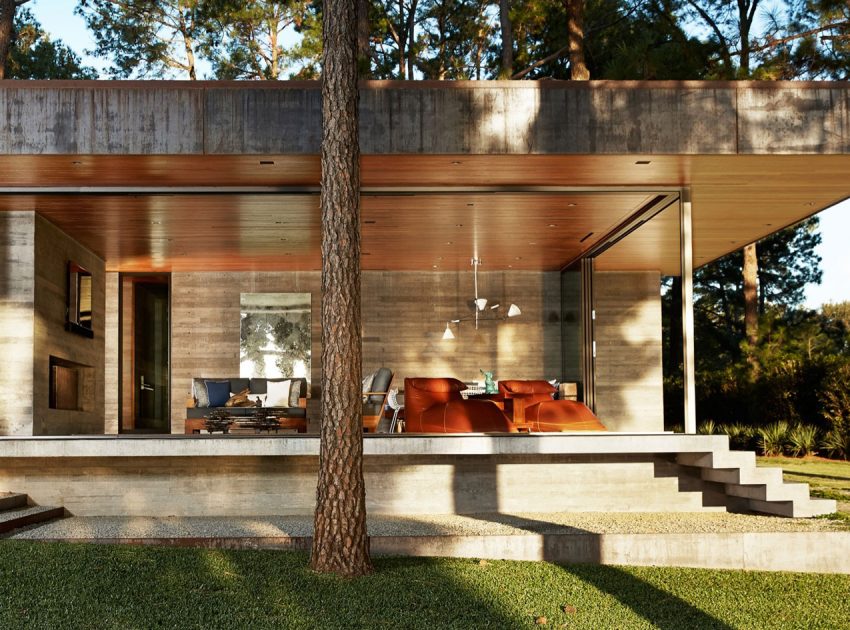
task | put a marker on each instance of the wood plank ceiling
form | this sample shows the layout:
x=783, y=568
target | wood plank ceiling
x=533, y=212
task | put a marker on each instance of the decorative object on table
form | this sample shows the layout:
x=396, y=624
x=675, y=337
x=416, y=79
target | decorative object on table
x=218, y=420
x=481, y=312
x=489, y=383
x=240, y=399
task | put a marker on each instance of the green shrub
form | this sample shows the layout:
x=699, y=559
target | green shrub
x=707, y=428
x=802, y=440
x=834, y=397
x=837, y=444
x=773, y=438
x=741, y=436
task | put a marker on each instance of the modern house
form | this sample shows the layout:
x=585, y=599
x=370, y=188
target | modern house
x=166, y=205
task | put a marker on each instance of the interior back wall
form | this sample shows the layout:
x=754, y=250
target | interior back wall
x=404, y=316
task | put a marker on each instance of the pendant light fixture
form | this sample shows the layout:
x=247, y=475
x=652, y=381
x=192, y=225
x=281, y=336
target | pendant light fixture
x=481, y=312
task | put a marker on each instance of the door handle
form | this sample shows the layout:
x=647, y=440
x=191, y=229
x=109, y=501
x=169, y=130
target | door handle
x=145, y=387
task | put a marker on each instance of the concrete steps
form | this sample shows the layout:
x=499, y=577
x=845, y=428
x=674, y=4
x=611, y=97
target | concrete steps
x=15, y=512
x=755, y=489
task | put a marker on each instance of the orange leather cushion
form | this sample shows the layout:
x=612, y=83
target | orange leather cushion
x=562, y=415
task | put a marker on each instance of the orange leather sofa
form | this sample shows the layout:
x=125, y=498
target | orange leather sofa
x=532, y=405
x=434, y=405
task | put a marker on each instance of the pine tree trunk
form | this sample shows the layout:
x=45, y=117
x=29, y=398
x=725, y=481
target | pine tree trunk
x=364, y=53
x=751, y=316
x=340, y=543
x=575, y=30
x=507, y=68
x=7, y=25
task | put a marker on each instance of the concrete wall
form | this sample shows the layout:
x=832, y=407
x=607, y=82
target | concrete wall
x=33, y=288
x=17, y=298
x=53, y=250
x=629, y=386
x=401, y=117
x=404, y=485
x=404, y=315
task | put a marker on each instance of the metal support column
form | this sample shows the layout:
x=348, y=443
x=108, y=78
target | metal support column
x=588, y=346
x=686, y=248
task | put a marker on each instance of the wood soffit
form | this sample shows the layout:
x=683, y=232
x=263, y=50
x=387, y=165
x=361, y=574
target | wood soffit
x=419, y=212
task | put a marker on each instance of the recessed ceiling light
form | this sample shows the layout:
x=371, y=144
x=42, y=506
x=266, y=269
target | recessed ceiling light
x=278, y=222
x=518, y=258
x=455, y=162
x=369, y=222
x=433, y=266
x=810, y=203
x=458, y=224
x=510, y=266
x=553, y=225
x=571, y=204
x=266, y=162
x=156, y=222
x=448, y=242
x=643, y=162
x=76, y=162
x=532, y=243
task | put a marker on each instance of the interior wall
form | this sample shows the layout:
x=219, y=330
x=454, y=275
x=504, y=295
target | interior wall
x=404, y=316
x=53, y=249
x=17, y=298
x=629, y=380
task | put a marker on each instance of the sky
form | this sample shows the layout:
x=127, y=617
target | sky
x=57, y=17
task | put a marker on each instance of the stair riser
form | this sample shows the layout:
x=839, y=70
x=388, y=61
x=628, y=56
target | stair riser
x=31, y=519
x=13, y=501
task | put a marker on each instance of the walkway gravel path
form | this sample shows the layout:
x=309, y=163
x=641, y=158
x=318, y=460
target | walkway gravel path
x=109, y=527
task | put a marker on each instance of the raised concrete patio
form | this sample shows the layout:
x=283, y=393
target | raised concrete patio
x=405, y=475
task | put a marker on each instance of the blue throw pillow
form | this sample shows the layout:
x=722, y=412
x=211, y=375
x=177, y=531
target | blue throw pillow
x=218, y=392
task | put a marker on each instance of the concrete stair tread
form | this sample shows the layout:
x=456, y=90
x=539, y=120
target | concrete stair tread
x=19, y=517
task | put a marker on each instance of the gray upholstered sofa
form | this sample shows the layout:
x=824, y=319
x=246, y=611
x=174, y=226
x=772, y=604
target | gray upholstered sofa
x=297, y=408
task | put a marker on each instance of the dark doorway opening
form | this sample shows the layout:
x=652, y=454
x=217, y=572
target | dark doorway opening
x=145, y=353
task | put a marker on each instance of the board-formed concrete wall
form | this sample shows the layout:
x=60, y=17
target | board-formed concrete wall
x=513, y=117
x=17, y=298
x=33, y=288
x=404, y=316
x=53, y=250
x=629, y=383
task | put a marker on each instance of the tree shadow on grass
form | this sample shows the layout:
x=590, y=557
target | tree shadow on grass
x=658, y=607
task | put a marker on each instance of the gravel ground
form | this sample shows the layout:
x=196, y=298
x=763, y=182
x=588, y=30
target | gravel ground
x=107, y=527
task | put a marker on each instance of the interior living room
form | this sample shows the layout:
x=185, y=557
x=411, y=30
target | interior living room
x=163, y=259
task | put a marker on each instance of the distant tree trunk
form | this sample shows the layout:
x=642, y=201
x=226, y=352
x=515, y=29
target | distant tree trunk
x=751, y=305
x=7, y=31
x=340, y=543
x=507, y=68
x=575, y=31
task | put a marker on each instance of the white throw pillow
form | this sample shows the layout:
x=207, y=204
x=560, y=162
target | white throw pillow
x=278, y=393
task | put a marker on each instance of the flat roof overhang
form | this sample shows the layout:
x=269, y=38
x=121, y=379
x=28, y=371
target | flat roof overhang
x=188, y=176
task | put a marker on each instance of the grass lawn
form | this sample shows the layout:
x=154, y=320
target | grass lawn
x=54, y=585
x=827, y=478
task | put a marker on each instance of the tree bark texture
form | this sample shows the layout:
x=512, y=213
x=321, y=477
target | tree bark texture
x=340, y=542
x=507, y=68
x=364, y=54
x=751, y=316
x=575, y=28
x=7, y=32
